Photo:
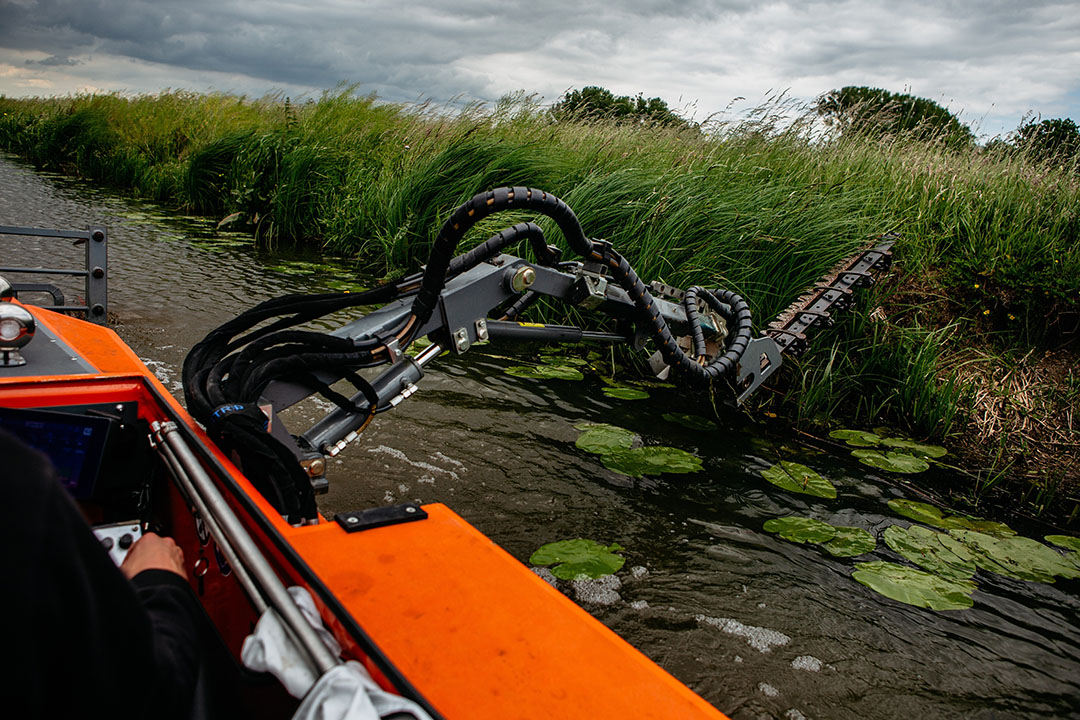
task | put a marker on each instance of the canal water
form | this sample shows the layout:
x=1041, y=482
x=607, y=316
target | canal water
x=760, y=627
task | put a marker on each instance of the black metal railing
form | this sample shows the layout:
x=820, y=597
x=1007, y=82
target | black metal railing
x=95, y=273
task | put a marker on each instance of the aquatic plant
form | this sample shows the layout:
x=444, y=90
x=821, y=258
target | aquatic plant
x=850, y=542
x=936, y=552
x=573, y=558
x=898, y=462
x=615, y=446
x=625, y=393
x=651, y=460
x=914, y=587
x=1066, y=541
x=544, y=372
x=1016, y=557
x=932, y=515
x=795, y=477
x=801, y=529
x=858, y=438
x=839, y=541
x=601, y=438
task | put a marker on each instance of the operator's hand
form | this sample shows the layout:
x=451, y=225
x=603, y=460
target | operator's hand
x=153, y=552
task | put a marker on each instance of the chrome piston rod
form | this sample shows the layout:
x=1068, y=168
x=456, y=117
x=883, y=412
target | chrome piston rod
x=212, y=527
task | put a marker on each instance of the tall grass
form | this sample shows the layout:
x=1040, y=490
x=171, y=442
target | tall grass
x=762, y=206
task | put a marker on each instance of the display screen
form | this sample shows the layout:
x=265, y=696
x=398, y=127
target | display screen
x=74, y=443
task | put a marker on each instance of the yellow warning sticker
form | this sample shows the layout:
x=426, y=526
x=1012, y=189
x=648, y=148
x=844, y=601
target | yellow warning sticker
x=522, y=324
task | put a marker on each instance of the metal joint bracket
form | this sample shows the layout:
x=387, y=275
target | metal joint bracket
x=761, y=359
x=662, y=290
x=589, y=290
x=393, y=350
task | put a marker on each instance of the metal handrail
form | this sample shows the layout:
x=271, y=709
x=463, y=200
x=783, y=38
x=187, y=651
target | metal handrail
x=95, y=239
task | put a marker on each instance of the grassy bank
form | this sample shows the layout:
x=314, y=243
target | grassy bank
x=970, y=340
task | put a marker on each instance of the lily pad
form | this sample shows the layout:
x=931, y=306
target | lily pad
x=579, y=557
x=892, y=461
x=544, y=372
x=799, y=478
x=917, y=449
x=857, y=438
x=990, y=527
x=801, y=529
x=1068, y=542
x=931, y=515
x=625, y=393
x=920, y=512
x=693, y=422
x=850, y=541
x=602, y=439
x=914, y=587
x=651, y=460
x=1016, y=557
x=924, y=548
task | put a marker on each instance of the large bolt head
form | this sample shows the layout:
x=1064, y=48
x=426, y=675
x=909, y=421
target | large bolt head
x=522, y=279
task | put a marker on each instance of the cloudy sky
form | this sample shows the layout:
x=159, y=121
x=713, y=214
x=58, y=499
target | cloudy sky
x=991, y=61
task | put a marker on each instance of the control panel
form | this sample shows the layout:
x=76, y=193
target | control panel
x=118, y=538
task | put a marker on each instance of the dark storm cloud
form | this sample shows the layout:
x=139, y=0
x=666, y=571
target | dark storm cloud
x=276, y=42
x=405, y=50
x=54, y=61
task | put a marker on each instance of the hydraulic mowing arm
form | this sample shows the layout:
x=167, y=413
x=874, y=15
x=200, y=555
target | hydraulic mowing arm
x=236, y=383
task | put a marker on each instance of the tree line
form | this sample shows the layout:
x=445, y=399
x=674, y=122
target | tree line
x=868, y=111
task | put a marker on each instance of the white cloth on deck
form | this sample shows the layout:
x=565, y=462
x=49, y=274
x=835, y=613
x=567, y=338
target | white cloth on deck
x=271, y=649
x=345, y=692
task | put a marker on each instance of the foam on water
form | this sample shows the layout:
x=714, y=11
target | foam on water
x=598, y=591
x=808, y=663
x=759, y=638
x=399, y=455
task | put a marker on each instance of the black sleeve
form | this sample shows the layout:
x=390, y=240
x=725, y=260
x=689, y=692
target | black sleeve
x=79, y=637
x=174, y=614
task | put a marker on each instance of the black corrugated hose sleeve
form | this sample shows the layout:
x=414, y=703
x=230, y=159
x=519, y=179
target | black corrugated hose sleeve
x=721, y=366
x=495, y=244
x=476, y=209
x=692, y=319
